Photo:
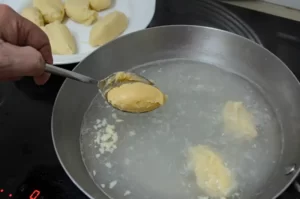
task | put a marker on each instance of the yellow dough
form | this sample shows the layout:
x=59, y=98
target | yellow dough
x=80, y=12
x=52, y=10
x=100, y=4
x=121, y=76
x=108, y=28
x=238, y=120
x=211, y=174
x=136, y=97
x=33, y=15
x=61, y=40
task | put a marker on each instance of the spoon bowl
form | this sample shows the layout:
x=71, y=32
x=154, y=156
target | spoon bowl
x=104, y=85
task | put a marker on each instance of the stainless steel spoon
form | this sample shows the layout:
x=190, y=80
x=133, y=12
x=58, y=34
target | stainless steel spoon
x=103, y=85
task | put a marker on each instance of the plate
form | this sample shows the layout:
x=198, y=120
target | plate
x=139, y=12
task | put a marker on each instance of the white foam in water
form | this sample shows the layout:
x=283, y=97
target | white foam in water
x=197, y=93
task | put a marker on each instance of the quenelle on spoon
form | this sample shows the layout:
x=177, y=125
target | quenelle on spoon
x=125, y=91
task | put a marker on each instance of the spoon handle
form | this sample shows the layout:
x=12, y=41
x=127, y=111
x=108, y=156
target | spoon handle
x=69, y=74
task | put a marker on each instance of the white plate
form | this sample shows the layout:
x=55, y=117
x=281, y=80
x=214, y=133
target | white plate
x=139, y=12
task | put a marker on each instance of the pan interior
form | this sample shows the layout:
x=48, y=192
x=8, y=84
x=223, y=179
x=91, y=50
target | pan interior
x=151, y=154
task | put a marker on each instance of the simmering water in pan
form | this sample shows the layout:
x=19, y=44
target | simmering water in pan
x=150, y=158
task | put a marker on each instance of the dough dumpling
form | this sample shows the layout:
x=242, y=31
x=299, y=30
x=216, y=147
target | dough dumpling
x=100, y=4
x=33, y=15
x=238, y=120
x=61, y=40
x=80, y=12
x=52, y=10
x=212, y=177
x=108, y=28
x=136, y=97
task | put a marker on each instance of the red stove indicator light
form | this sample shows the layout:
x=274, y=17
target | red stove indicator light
x=35, y=194
x=10, y=195
x=1, y=190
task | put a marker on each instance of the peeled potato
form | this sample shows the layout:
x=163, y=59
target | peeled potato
x=52, y=10
x=100, y=4
x=80, y=12
x=108, y=28
x=61, y=40
x=33, y=15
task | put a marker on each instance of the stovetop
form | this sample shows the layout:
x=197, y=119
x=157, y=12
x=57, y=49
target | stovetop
x=29, y=167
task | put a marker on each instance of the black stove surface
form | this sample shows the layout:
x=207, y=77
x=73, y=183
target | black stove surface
x=29, y=167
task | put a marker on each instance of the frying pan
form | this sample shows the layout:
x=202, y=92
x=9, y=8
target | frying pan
x=177, y=58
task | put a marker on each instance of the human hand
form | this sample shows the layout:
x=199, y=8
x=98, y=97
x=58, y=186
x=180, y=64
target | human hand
x=24, y=48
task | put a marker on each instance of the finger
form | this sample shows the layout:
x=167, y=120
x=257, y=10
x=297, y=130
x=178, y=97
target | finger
x=30, y=62
x=34, y=36
x=47, y=54
x=22, y=32
x=42, y=79
x=20, y=61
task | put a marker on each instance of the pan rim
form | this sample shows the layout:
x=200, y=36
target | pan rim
x=295, y=174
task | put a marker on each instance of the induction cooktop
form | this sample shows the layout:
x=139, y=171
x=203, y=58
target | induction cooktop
x=29, y=167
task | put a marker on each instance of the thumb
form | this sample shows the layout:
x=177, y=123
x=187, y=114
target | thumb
x=19, y=61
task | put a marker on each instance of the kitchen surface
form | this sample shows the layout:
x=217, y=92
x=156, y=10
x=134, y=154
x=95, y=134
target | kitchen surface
x=29, y=166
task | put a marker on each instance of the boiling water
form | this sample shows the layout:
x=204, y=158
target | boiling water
x=151, y=154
